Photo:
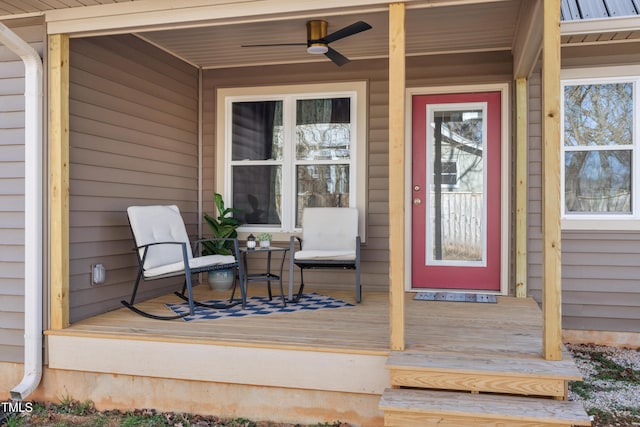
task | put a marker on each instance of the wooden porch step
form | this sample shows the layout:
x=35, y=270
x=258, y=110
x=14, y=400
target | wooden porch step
x=406, y=408
x=510, y=375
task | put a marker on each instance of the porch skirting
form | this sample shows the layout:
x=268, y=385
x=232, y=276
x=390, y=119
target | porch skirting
x=279, y=404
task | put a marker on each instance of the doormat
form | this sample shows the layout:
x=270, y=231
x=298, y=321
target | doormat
x=455, y=297
x=257, y=306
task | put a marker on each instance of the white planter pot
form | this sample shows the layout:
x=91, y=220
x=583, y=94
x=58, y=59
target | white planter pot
x=265, y=243
x=221, y=280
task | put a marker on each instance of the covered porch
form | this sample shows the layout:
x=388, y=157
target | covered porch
x=344, y=355
x=336, y=359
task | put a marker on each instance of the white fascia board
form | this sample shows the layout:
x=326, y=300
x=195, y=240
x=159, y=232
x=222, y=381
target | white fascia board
x=603, y=25
x=166, y=14
x=151, y=15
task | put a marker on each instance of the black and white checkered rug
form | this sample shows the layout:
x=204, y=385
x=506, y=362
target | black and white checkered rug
x=257, y=306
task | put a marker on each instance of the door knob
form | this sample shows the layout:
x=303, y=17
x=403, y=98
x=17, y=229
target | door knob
x=417, y=201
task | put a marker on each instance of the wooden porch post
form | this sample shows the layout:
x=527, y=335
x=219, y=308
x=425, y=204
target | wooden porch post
x=551, y=161
x=59, y=179
x=397, y=92
x=521, y=187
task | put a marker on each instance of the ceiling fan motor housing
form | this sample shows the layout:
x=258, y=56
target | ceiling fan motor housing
x=316, y=30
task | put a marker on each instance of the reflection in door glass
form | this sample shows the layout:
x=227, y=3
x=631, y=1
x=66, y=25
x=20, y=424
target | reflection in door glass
x=455, y=173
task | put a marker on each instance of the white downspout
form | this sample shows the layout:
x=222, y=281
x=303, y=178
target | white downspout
x=32, y=212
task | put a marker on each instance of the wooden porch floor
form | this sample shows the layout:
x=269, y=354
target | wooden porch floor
x=512, y=327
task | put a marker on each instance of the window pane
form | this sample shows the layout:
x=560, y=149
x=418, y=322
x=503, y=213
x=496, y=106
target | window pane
x=449, y=173
x=321, y=186
x=257, y=132
x=257, y=192
x=598, y=181
x=598, y=114
x=323, y=129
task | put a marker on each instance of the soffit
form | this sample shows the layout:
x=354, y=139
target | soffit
x=588, y=22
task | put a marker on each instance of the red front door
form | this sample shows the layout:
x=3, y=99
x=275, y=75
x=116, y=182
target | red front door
x=456, y=224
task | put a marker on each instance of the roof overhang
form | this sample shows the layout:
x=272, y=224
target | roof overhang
x=605, y=30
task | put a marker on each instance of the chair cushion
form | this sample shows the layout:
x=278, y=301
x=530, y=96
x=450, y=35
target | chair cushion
x=152, y=224
x=329, y=229
x=199, y=262
x=313, y=255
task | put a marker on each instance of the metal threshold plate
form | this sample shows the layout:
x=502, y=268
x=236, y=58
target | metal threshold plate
x=455, y=297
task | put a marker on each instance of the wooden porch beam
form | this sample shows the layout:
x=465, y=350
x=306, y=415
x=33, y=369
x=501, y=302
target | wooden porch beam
x=59, y=179
x=551, y=161
x=521, y=187
x=527, y=42
x=397, y=91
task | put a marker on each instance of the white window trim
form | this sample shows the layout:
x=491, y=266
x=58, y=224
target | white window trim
x=608, y=222
x=222, y=166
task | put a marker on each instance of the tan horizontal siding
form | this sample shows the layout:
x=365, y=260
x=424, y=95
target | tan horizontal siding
x=12, y=304
x=12, y=190
x=133, y=141
x=11, y=253
x=591, y=323
x=11, y=335
x=11, y=286
x=600, y=270
x=12, y=353
x=12, y=320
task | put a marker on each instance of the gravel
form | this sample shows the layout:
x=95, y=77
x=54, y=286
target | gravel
x=611, y=380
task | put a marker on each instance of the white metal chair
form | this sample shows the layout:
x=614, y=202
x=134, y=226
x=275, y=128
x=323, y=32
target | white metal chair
x=163, y=250
x=329, y=240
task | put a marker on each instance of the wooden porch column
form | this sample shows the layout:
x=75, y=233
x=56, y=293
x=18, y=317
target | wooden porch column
x=59, y=179
x=397, y=92
x=551, y=161
x=521, y=187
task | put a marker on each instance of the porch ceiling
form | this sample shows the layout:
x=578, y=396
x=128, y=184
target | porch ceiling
x=433, y=27
x=430, y=30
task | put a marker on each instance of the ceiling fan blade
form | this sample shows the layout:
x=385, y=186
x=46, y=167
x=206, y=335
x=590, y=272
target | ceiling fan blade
x=347, y=31
x=337, y=58
x=274, y=44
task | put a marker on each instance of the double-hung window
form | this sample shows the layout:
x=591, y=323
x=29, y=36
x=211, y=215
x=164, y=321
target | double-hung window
x=600, y=153
x=286, y=148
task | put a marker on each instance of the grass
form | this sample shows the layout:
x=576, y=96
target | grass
x=69, y=412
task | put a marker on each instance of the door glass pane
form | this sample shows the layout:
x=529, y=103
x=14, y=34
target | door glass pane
x=257, y=193
x=456, y=179
x=257, y=132
x=321, y=186
x=323, y=129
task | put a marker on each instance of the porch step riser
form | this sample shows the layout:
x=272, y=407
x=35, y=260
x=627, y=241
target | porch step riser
x=401, y=419
x=406, y=408
x=478, y=382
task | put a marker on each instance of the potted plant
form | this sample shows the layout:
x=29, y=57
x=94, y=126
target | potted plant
x=265, y=239
x=224, y=226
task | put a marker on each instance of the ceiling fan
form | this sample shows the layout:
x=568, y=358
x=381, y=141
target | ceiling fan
x=318, y=40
